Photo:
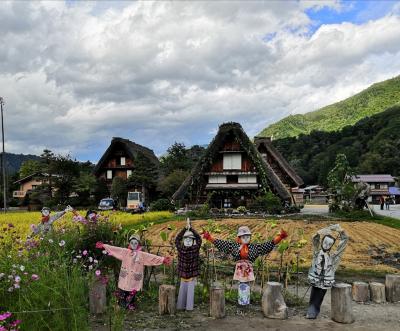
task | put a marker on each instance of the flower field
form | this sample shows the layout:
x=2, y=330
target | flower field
x=44, y=278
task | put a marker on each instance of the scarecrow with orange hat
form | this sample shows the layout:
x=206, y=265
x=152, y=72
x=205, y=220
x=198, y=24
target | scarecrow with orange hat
x=244, y=253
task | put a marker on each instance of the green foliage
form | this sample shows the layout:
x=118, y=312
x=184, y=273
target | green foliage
x=371, y=146
x=119, y=190
x=29, y=167
x=368, y=102
x=176, y=158
x=268, y=202
x=169, y=184
x=145, y=172
x=161, y=205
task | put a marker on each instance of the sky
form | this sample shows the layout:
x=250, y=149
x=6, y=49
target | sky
x=75, y=74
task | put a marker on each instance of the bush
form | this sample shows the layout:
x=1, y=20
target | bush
x=162, y=205
x=242, y=209
x=269, y=203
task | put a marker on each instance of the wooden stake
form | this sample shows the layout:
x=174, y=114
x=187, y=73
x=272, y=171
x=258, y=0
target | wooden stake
x=377, y=292
x=273, y=303
x=360, y=292
x=341, y=303
x=166, y=300
x=217, y=301
x=392, y=284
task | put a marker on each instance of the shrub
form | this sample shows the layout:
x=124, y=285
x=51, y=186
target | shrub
x=269, y=203
x=162, y=205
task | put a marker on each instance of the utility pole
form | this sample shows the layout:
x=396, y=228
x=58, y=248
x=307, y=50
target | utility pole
x=3, y=155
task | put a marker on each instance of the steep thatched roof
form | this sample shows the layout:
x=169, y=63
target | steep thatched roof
x=284, y=165
x=195, y=181
x=132, y=149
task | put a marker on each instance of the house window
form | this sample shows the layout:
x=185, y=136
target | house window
x=215, y=179
x=248, y=179
x=232, y=161
x=34, y=186
x=109, y=174
x=227, y=203
x=377, y=186
x=122, y=161
x=128, y=173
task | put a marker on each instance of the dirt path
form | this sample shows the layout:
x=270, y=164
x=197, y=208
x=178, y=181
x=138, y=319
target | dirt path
x=369, y=317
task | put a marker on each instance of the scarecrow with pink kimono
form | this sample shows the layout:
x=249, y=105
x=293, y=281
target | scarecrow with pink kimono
x=132, y=269
x=244, y=253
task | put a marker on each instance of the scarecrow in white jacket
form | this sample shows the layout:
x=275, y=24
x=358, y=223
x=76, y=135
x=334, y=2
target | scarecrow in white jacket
x=244, y=253
x=47, y=221
x=324, y=264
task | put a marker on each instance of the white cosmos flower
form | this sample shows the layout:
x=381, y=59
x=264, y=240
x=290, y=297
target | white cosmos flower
x=22, y=268
x=61, y=243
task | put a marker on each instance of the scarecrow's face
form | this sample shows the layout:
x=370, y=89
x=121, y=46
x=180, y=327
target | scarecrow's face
x=92, y=216
x=134, y=244
x=327, y=243
x=188, y=242
x=245, y=238
x=45, y=212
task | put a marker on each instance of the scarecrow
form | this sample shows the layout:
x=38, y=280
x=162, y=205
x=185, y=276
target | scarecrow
x=244, y=253
x=187, y=243
x=324, y=264
x=47, y=221
x=132, y=269
x=91, y=217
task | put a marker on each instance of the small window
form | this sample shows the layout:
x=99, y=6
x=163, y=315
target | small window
x=232, y=161
x=128, y=173
x=122, y=161
x=377, y=186
x=109, y=174
x=227, y=203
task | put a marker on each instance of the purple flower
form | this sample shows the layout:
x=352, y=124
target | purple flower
x=2, y=328
x=34, y=277
x=5, y=316
x=85, y=252
x=98, y=273
x=10, y=225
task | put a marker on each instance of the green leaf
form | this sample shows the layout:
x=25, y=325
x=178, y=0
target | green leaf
x=164, y=236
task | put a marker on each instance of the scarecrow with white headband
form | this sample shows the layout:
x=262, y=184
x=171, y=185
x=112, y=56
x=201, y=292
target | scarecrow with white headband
x=132, y=269
x=324, y=264
x=245, y=254
x=47, y=221
x=187, y=243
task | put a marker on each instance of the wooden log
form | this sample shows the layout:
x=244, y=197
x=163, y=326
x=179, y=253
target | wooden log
x=392, y=284
x=166, y=300
x=378, y=294
x=217, y=301
x=97, y=297
x=341, y=303
x=273, y=303
x=360, y=292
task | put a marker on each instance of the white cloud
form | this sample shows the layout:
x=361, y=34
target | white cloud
x=73, y=76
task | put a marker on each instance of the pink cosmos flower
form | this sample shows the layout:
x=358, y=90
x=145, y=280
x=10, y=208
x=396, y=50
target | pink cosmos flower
x=85, y=252
x=5, y=316
x=98, y=273
x=34, y=277
x=15, y=323
x=2, y=328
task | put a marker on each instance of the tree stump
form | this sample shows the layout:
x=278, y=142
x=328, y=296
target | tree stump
x=360, y=292
x=392, y=284
x=273, y=303
x=97, y=297
x=217, y=301
x=341, y=303
x=377, y=292
x=166, y=300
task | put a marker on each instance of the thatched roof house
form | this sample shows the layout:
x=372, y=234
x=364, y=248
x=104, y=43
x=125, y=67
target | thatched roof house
x=119, y=159
x=232, y=172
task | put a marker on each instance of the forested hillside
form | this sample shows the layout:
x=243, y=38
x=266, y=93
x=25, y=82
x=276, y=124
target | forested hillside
x=372, y=146
x=371, y=101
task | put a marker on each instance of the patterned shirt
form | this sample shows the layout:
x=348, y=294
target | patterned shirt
x=233, y=248
x=188, y=257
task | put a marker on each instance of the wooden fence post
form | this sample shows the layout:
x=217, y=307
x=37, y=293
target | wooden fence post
x=217, y=301
x=392, y=284
x=341, y=303
x=166, y=300
x=377, y=292
x=97, y=297
x=360, y=292
x=273, y=303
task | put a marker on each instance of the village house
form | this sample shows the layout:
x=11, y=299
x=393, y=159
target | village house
x=380, y=185
x=29, y=184
x=232, y=172
x=119, y=161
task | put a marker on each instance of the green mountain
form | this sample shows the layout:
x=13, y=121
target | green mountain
x=370, y=101
x=372, y=146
